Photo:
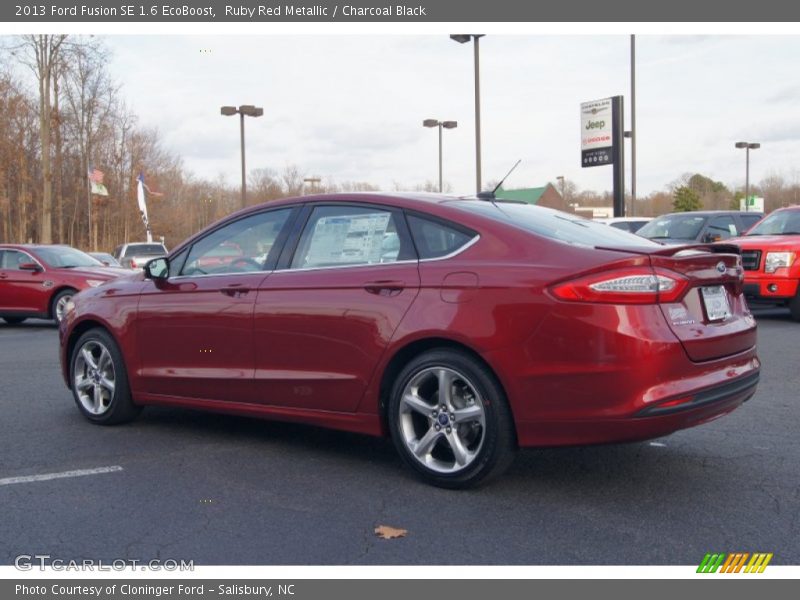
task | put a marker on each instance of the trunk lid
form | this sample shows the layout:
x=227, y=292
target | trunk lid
x=711, y=319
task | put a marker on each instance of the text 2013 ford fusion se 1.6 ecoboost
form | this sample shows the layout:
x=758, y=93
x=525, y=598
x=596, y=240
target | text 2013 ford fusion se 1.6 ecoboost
x=462, y=328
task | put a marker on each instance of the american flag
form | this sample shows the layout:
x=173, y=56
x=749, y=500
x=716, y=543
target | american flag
x=96, y=175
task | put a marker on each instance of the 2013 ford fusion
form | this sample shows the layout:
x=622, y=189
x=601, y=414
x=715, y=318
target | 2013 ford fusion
x=462, y=328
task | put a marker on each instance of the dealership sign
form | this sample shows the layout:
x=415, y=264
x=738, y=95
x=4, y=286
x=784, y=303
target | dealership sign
x=597, y=138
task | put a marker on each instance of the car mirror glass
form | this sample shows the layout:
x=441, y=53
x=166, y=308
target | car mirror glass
x=29, y=266
x=158, y=268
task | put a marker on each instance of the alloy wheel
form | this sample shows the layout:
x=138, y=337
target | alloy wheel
x=442, y=419
x=94, y=377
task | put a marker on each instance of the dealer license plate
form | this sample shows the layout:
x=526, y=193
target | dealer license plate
x=716, y=302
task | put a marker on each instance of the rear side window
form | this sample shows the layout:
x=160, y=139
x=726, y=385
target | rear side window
x=349, y=236
x=435, y=239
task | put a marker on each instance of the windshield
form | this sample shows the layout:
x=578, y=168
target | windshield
x=557, y=225
x=677, y=227
x=63, y=257
x=781, y=222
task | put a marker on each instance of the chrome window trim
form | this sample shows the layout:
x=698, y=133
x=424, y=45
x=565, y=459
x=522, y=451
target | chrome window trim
x=360, y=266
x=474, y=240
x=260, y=271
x=455, y=252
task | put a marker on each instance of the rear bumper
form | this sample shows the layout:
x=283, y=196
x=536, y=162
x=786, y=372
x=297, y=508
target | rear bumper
x=652, y=422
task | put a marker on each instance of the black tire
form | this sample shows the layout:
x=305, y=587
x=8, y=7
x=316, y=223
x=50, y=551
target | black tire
x=487, y=443
x=14, y=320
x=113, y=406
x=794, y=306
x=58, y=299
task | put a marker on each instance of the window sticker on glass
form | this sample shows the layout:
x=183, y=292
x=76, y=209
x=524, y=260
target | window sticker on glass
x=351, y=239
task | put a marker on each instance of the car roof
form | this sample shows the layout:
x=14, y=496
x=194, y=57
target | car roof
x=713, y=213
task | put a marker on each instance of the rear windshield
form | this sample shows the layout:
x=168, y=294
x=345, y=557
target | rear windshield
x=556, y=225
x=145, y=250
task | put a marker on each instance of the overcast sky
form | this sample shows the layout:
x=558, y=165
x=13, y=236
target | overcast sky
x=350, y=107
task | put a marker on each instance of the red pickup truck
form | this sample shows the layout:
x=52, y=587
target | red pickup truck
x=771, y=260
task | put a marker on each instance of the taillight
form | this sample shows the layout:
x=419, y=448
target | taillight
x=133, y=264
x=624, y=286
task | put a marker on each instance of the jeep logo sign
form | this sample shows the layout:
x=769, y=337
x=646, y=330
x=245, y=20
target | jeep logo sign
x=596, y=133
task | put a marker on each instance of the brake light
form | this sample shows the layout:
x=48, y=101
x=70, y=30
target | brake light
x=624, y=286
x=133, y=264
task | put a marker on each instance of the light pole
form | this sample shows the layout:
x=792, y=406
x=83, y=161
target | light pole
x=747, y=147
x=633, y=125
x=440, y=125
x=463, y=38
x=244, y=110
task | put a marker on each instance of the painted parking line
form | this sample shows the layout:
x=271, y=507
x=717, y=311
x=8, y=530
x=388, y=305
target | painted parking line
x=62, y=475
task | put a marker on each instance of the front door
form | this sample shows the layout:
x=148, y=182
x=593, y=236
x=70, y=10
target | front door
x=22, y=291
x=195, y=329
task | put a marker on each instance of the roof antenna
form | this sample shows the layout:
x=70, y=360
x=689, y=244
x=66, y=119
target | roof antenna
x=490, y=195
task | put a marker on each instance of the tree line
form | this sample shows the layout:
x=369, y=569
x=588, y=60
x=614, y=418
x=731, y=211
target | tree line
x=62, y=115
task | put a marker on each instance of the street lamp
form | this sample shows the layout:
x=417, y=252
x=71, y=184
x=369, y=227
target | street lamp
x=312, y=182
x=244, y=110
x=747, y=147
x=440, y=124
x=463, y=38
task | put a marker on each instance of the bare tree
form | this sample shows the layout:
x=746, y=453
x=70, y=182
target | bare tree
x=41, y=54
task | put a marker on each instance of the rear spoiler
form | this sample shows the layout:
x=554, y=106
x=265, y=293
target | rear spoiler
x=715, y=248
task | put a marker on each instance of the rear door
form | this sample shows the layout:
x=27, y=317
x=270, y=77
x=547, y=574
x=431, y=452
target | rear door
x=712, y=319
x=324, y=318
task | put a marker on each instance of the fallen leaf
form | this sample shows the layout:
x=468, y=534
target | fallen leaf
x=389, y=533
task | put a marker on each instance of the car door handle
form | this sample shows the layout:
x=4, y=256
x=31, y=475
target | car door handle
x=385, y=287
x=236, y=290
x=3, y=276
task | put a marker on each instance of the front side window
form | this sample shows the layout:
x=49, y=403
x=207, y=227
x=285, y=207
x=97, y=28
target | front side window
x=12, y=259
x=239, y=247
x=338, y=236
x=721, y=228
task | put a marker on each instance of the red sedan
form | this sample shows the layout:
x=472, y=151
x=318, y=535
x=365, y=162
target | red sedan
x=39, y=280
x=462, y=328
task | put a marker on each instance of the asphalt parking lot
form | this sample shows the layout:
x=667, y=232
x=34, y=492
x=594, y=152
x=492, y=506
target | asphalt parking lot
x=228, y=490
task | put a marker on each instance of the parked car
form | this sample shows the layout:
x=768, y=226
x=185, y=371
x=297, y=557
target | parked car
x=135, y=255
x=771, y=260
x=107, y=259
x=39, y=280
x=630, y=224
x=462, y=328
x=699, y=226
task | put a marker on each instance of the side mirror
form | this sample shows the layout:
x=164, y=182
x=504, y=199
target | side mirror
x=157, y=269
x=31, y=266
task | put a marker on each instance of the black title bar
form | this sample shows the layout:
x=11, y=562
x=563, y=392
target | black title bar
x=452, y=11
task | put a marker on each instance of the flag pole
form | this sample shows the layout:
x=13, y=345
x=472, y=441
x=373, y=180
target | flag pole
x=89, y=208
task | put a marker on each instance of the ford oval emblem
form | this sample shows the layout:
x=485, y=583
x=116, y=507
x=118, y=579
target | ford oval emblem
x=721, y=267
